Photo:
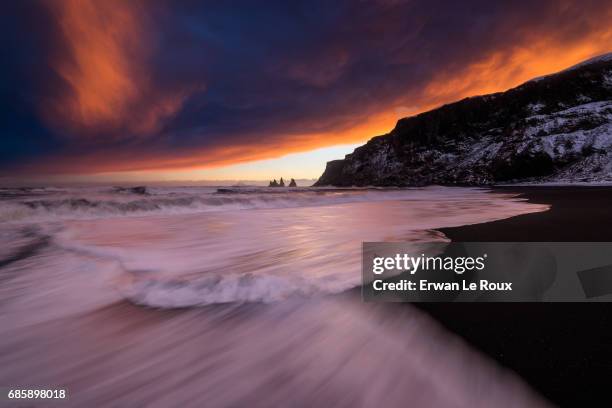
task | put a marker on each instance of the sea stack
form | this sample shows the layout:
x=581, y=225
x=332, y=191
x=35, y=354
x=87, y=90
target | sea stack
x=282, y=183
x=292, y=183
x=273, y=183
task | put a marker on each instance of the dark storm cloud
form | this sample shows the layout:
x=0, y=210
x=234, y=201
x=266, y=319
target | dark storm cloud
x=167, y=84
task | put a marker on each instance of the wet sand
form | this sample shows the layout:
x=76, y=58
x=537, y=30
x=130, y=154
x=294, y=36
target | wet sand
x=563, y=350
x=576, y=214
x=333, y=352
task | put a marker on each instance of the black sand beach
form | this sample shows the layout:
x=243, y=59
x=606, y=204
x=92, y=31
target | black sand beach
x=563, y=350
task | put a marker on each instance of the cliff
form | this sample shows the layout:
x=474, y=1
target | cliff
x=552, y=128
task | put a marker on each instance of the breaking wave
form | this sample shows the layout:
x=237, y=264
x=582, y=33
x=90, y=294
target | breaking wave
x=52, y=204
x=202, y=247
x=218, y=288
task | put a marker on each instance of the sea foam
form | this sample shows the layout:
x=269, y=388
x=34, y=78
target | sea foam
x=198, y=247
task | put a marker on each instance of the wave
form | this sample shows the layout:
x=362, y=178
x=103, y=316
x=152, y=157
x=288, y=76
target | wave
x=148, y=288
x=74, y=204
x=218, y=288
x=192, y=253
x=143, y=281
x=240, y=256
x=20, y=244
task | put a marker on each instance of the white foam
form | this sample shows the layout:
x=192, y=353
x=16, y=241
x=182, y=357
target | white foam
x=268, y=255
x=87, y=204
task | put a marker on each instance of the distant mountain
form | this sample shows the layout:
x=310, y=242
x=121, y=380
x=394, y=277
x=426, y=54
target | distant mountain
x=553, y=128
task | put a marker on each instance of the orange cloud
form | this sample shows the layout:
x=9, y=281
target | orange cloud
x=111, y=88
x=105, y=68
x=515, y=65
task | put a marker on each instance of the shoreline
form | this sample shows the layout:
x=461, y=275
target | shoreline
x=577, y=213
x=561, y=349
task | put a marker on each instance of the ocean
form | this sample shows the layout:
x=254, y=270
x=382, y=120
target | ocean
x=225, y=296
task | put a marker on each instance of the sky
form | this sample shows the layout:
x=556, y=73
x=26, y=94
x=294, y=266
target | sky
x=161, y=90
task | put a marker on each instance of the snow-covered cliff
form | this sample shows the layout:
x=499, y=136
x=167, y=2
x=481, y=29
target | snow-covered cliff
x=553, y=128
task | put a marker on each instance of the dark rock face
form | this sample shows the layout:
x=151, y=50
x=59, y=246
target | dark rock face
x=553, y=128
x=281, y=183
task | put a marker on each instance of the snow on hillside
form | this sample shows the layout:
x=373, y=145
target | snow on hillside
x=557, y=129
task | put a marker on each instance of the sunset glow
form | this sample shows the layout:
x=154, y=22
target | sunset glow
x=116, y=95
